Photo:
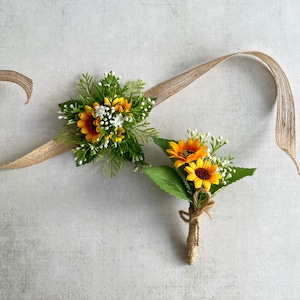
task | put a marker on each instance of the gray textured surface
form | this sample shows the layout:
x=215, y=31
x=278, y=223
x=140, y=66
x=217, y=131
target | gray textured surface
x=72, y=233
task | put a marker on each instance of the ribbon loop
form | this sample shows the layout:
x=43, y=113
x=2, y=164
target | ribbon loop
x=18, y=78
x=285, y=120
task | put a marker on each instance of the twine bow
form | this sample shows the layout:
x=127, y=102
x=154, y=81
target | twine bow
x=193, y=217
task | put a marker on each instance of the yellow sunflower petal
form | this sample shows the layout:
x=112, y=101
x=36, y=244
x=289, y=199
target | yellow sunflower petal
x=201, y=152
x=107, y=102
x=212, y=169
x=206, y=184
x=206, y=165
x=84, y=116
x=119, y=108
x=81, y=123
x=88, y=137
x=94, y=138
x=181, y=145
x=96, y=121
x=191, y=177
x=214, y=178
x=196, y=144
x=172, y=152
x=197, y=183
x=128, y=106
x=199, y=163
x=174, y=146
x=84, y=130
x=193, y=165
x=189, y=143
x=88, y=108
x=117, y=100
x=189, y=170
x=178, y=163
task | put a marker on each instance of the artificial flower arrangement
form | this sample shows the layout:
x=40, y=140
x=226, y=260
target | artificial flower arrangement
x=108, y=122
x=198, y=174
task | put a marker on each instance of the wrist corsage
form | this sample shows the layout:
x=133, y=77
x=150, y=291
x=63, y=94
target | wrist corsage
x=107, y=122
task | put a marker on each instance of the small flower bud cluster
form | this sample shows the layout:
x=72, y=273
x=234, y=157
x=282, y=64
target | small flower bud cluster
x=137, y=158
x=68, y=111
x=195, y=135
x=217, y=143
x=146, y=107
x=225, y=168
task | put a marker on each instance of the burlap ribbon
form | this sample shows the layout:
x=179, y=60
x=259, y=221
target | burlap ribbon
x=18, y=78
x=285, y=119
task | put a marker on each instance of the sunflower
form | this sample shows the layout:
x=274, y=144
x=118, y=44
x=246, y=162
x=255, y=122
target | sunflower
x=202, y=173
x=123, y=105
x=112, y=102
x=89, y=123
x=186, y=152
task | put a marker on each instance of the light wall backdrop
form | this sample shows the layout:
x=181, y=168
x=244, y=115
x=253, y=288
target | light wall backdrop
x=74, y=233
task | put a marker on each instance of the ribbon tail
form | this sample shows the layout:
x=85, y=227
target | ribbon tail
x=285, y=119
x=44, y=152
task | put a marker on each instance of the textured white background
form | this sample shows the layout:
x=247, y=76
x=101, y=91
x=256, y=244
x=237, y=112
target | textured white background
x=73, y=233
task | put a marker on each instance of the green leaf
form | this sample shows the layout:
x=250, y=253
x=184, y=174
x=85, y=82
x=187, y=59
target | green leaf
x=168, y=180
x=239, y=174
x=162, y=143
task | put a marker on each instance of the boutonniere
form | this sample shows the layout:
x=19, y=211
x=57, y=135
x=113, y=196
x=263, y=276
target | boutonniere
x=197, y=174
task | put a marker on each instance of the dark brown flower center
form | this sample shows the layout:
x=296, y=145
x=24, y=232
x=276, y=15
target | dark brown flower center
x=93, y=127
x=186, y=153
x=202, y=173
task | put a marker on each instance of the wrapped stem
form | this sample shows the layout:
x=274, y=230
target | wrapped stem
x=193, y=240
x=193, y=217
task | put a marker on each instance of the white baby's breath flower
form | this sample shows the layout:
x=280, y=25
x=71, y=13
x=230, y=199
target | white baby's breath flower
x=100, y=111
x=117, y=121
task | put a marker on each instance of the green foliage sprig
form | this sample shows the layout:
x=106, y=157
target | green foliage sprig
x=108, y=122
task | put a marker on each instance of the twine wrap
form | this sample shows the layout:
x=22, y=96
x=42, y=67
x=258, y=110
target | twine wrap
x=285, y=119
x=193, y=217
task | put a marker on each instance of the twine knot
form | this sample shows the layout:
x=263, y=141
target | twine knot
x=193, y=217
